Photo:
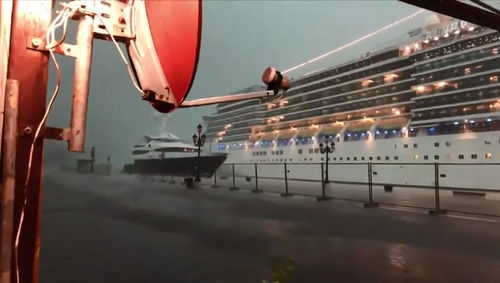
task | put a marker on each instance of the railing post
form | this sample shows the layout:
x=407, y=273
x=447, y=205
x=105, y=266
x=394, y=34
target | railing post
x=215, y=180
x=234, y=188
x=370, y=202
x=323, y=196
x=438, y=209
x=286, y=193
x=256, y=190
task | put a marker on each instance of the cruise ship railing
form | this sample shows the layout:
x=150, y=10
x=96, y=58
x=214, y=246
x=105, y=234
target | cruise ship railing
x=439, y=188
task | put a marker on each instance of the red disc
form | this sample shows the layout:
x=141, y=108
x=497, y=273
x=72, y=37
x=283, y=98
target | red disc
x=176, y=31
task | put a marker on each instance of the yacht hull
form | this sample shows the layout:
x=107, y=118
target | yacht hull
x=180, y=166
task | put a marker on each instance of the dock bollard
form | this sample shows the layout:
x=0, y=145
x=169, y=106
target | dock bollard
x=234, y=188
x=286, y=193
x=256, y=190
x=323, y=196
x=437, y=210
x=215, y=180
x=370, y=202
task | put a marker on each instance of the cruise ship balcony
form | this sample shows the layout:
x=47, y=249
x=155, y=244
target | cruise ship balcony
x=391, y=127
x=358, y=130
x=332, y=131
x=285, y=137
x=306, y=136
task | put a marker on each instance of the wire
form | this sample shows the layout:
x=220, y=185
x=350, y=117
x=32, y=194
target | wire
x=69, y=10
x=486, y=6
x=354, y=42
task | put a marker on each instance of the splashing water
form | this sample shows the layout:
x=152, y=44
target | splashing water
x=161, y=122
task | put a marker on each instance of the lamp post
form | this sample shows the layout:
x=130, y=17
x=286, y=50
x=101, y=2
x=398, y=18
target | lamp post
x=199, y=141
x=326, y=149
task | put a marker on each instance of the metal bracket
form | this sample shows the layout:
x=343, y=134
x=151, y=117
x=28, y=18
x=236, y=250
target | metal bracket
x=118, y=17
x=50, y=133
x=38, y=44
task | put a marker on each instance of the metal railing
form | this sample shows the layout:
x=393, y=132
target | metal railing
x=466, y=188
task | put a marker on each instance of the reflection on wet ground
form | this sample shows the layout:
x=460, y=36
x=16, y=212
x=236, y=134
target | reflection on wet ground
x=119, y=229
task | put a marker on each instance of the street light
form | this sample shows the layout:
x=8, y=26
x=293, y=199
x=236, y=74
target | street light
x=199, y=141
x=327, y=149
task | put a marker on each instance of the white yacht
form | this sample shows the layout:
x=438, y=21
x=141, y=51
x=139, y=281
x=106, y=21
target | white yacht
x=168, y=155
x=431, y=101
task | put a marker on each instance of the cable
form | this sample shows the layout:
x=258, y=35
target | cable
x=355, y=41
x=486, y=6
x=69, y=10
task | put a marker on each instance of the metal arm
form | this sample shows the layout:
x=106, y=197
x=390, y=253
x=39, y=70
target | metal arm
x=228, y=98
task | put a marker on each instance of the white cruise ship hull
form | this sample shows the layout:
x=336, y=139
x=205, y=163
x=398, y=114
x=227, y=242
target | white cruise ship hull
x=467, y=161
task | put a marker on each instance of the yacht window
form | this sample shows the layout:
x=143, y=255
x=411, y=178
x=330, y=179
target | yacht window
x=136, y=152
x=436, y=157
x=460, y=156
x=426, y=157
x=473, y=156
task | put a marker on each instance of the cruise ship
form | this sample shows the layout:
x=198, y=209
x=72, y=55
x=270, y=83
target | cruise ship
x=168, y=155
x=432, y=100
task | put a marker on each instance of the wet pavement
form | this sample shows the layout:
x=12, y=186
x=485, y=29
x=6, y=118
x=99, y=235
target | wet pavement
x=121, y=229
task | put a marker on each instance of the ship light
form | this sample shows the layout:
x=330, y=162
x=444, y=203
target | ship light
x=426, y=41
x=436, y=38
x=456, y=123
x=441, y=83
x=471, y=28
x=457, y=32
x=446, y=35
x=489, y=120
x=471, y=122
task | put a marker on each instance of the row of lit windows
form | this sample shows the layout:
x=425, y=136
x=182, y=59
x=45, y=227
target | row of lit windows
x=378, y=158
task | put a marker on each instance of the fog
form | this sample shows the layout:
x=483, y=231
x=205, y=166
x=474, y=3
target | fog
x=240, y=39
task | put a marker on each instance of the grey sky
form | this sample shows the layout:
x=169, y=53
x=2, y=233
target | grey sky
x=240, y=39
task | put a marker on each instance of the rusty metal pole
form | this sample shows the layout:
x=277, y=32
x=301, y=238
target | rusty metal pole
x=8, y=177
x=30, y=21
x=81, y=81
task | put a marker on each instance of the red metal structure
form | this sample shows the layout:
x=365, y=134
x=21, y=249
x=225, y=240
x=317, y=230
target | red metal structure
x=175, y=30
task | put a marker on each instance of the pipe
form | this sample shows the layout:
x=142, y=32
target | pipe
x=8, y=176
x=81, y=82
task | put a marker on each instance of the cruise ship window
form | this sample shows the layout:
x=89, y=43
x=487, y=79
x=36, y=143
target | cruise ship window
x=405, y=146
x=460, y=156
x=362, y=158
x=316, y=150
x=378, y=157
x=436, y=144
x=310, y=159
x=348, y=158
x=487, y=156
x=415, y=145
x=426, y=157
x=396, y=158
x=341, y=159
x=370, y=158
x=494, y=51
x=487, y=142
x=494, y=79
x=355, y=158
x=272, y=152
x=322, y=159
x=415, y=157
x=387, y=158
x=436, y=157
x=300, y=151
x=448, y=143
x=281, y=160
x=328, y=158
x=473, y=156
x=311, y=150
x=291, y=160
x=467, y=71
x=281, y=152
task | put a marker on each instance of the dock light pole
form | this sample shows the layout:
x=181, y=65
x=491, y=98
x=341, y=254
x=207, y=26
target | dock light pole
x=326, y=149
x=199, y=141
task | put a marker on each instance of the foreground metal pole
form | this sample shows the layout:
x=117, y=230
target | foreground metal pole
x=81, y=81
x=9, y=177
x=438, y=209
x=286, y=194
x=256, y=190
x=234, y=188
x=370, y=202
x=323, y=184
x=29, y=67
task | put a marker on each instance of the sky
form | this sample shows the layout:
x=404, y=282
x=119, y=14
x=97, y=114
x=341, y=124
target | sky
x=239, y=40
